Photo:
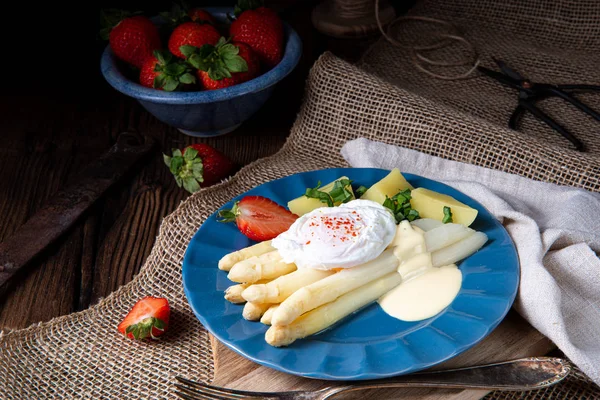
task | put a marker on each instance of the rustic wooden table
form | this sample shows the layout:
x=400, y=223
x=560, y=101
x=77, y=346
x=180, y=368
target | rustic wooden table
x=53, y=126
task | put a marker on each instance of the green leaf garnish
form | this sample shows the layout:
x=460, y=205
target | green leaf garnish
x=360, y=191
x=447, y=215
x=315, y=193
x=400, y=206
x=337, y=195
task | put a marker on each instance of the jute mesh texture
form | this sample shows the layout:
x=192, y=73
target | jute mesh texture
x=546, y=41
x=68, y=358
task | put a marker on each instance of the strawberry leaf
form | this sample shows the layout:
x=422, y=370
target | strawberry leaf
x=190, y=184
x=190, y=154
x=198, y=170
x=187, y=50
x=237, y=64
x=187, y=78
x=229, y=215
x=159, y=81
x=218, y=61
x=176, y=164
x=170, y=84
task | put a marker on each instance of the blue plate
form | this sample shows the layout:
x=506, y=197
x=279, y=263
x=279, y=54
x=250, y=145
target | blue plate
x=368, y=344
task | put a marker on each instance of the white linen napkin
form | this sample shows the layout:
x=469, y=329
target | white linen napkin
x=556, y=230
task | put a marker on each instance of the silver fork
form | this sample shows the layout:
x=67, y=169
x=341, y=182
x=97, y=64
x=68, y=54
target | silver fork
x=522, y=374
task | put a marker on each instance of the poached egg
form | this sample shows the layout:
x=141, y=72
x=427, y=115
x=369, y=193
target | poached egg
x=338, y=237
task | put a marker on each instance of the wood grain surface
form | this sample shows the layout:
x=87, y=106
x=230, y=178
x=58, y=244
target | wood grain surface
x=513, y=338
x=57, y=121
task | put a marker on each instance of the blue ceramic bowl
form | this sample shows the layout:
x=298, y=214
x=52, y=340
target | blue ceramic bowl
x=212, y=112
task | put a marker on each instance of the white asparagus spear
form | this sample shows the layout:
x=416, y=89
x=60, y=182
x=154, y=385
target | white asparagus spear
x=426, y=224
x=326, y=315
x=230, y=259
x=234, y=293
x=330, y=288
x=253, y=311
x=281, y=288
x=445, y=235
x=459, y=250
x=261, y=259
x=266, y=318
x=245, y=273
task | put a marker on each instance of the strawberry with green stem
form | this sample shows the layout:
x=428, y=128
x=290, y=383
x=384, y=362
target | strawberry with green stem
x=164, y=72
x=222, y=65
x=147, y=319
x=192, y=34
x=259, y=218
x=198, y=165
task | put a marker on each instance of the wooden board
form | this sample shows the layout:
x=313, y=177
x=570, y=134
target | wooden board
x=513, y=338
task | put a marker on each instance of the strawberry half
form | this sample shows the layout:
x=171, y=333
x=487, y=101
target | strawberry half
x=259, y=218
x=164, y=72
x=198, y=165
x=149, y=318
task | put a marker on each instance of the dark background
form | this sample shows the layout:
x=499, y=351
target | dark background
x=58, y=114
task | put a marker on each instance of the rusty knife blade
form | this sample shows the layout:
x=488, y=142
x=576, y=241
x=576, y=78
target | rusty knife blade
x=63, y=209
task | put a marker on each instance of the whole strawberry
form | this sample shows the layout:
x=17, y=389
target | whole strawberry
x=223, y=65
x=163, y=72
x=131, y=38
x=198, y=165
x=261, y=29
x=192, y=34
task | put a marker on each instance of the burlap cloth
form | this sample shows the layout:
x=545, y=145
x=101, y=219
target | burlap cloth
x=81, y=355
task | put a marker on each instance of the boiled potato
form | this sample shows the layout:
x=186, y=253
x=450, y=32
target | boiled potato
x=303, y=205
x=389, y=186
x=431, y=204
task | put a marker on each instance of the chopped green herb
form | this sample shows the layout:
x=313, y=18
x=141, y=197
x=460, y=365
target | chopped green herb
x=360, y=191
x=400, y=206
x=447, y=215
x=338, y=194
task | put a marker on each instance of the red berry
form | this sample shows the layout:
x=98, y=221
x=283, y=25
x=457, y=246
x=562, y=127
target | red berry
x=193, y=34
x=148, y=318
x=134, y=39
x=262, y=30
x=236, y=77
x=259, y=218
x=162, y=71
x=207, y=167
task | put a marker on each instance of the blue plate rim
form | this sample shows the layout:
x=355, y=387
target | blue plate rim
x=362, y=376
